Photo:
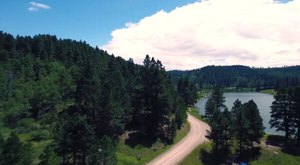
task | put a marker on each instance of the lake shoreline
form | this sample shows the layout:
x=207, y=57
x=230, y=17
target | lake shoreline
x=263, y=101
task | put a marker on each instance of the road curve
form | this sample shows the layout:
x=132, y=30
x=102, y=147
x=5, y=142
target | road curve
x=180, y=150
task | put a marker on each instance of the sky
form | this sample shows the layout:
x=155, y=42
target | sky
x=183, y=34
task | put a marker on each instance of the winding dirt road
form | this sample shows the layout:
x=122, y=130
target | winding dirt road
x=180, y=150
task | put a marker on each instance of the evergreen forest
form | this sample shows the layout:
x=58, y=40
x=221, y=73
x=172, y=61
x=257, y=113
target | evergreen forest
x=77, y=100
x=242, y=77
x=65, y=102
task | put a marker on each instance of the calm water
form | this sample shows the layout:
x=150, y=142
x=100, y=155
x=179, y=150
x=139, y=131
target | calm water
x=263, y=102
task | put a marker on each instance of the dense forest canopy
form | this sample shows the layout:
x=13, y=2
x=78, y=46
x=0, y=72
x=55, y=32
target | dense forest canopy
x=65, y=102
x=242, y=76
x=78, y=100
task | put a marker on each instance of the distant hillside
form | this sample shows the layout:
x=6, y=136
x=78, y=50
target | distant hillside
x=242, y=76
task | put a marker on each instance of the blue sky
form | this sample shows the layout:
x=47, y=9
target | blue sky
x=183, y=34
x=88, y=20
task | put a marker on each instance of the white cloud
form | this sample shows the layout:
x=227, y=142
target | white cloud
x=215, y=32
x=34, y=6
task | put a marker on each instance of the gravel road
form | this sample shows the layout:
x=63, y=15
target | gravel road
x=180, y=150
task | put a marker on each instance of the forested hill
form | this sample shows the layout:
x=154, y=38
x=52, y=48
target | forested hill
x=73, y=101
x=242, y=76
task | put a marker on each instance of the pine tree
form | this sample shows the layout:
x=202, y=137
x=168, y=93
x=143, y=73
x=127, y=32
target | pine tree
x=1, y=146
x=1, y=141
x=142, y=97
x=256, y=128
x=210, y=108
x=221, y=131
x=215, y=102
x=15, y=152
x=9, y=42
x=156, y=106
x=226, y=124
x=107, y=151
x=26, y=154
x=216, y=130
x=11, y=151
x=180, y=112
x=296, y=112
x=114, y=101
x=73, y=137
x=217, y=96
x=187, y=91
x=281, y=113
x=48, y=157
x=172, y=132
x=240, y=124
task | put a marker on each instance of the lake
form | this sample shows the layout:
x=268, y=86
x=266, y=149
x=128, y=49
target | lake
x=263, y=101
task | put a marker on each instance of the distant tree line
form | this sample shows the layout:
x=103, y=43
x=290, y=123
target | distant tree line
x=242, y=123
x=242, y=77
x=81, y=99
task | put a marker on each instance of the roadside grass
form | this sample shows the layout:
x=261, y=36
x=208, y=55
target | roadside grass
x=268, y=156
x=139, y=154
x=269, y=91
x=275, y=156
x=194, y=158
x=39, y=138
x=193, y=111
x=265, y=137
